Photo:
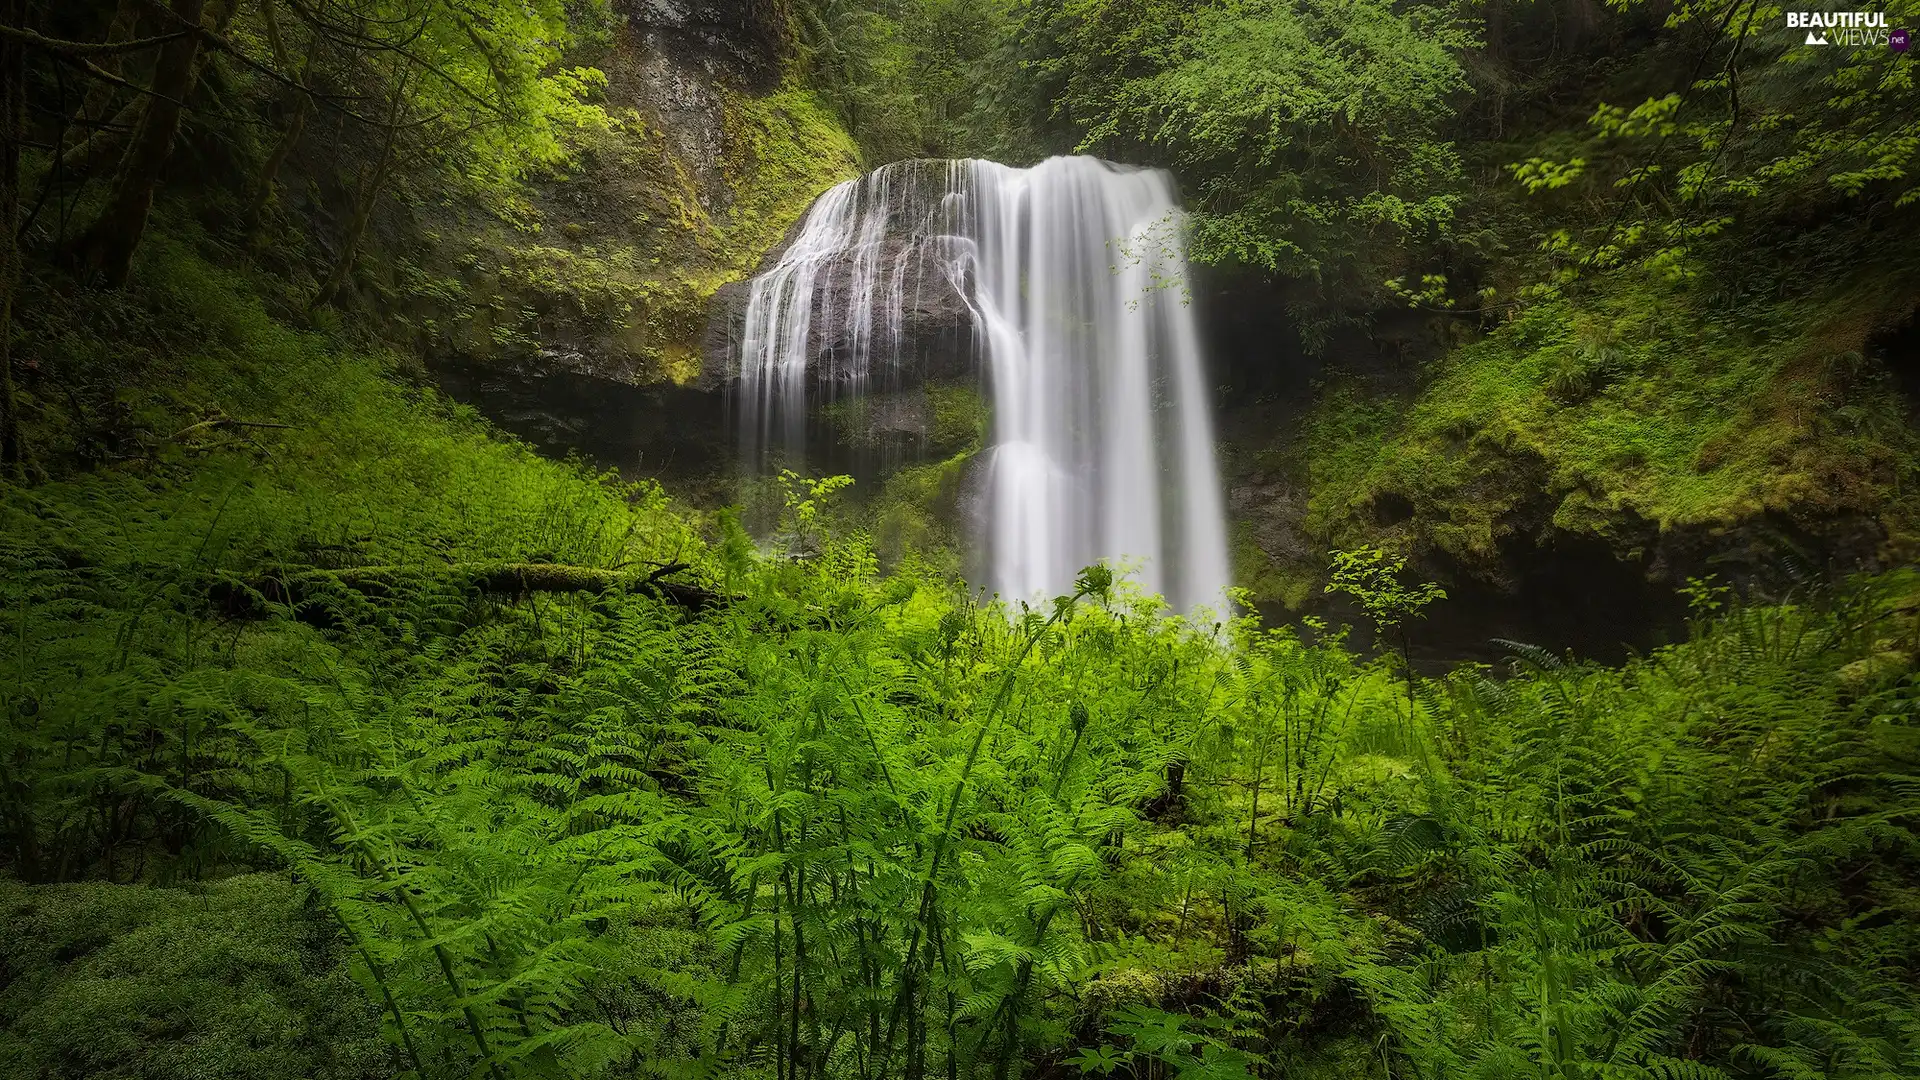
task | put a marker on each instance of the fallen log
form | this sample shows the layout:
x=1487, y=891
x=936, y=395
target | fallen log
x=250, y=598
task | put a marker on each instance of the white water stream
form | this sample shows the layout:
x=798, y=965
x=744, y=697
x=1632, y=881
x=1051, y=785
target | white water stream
x=1073, y=275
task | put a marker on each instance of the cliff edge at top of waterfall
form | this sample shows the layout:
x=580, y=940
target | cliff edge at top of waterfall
x=713, y=147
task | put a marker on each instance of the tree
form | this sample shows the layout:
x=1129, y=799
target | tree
x=1372, y=577
x=1313, y=134
x=303, y=102
x=108, y=244
x=911, y=78
x=473, y=88
x=1750, y=140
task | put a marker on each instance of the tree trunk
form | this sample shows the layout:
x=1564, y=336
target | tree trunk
x=368, y=195
x=102, y=146
x=13, y=92
x=296, y=127
x=108, y=245
x=356, y=230
x=93, y=109
x=290, y=138
x=1496, y=33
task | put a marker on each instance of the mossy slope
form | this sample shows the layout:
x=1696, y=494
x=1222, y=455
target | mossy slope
x=1630, y=416
x=608, y=267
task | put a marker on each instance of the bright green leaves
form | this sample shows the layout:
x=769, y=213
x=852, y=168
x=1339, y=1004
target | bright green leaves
x=805, y=498
x=478, y=84
x=1372, y=577
x=1768, y=131
x=921, y=805
x=1310, y=131
x=1171, y=1041
x=985, y=950
x=1431, y=291
x=1099, y=1060
x=917, y=78
x=1654, y=117
x=1094, y=581
x=1540, y=174
x=1705, y=596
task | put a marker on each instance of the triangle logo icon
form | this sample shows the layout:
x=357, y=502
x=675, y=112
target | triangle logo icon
x=1816, y=38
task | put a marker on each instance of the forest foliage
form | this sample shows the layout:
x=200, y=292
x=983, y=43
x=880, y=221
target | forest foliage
x=851, y=823
x=346, y=737
x=1627, y=244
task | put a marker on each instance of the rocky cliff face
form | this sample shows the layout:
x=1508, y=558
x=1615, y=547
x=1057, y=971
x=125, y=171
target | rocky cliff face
x=606, y=269
x=915, y=340
x=743, y=40
x=936, y=330
x=676, y=61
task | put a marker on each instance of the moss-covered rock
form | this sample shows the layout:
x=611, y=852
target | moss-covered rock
x=930, y=420
x=923, y=512
x=607, y=268
x=1637, y=416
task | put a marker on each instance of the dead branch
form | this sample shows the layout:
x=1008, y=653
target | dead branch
x=224, y=421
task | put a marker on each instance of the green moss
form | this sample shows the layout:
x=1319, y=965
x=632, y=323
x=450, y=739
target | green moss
x=361, y=463
x=848, y=418
x=783, y=150
x=1340, y=442
x=1631, y=407
x=961, y=415
x=1269, y=579
x=949, y=418
x=915, y=512
x=632, y=285
x=234, y=979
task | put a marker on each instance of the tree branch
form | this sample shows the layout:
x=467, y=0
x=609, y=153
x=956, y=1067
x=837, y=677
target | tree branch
x=95, y=71
x=62, y=47
x=218, y=42
x=341, y=34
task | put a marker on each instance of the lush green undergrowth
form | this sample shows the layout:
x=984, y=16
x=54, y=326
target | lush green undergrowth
x=1632, y=410
x=235, y=442
x=798, y=817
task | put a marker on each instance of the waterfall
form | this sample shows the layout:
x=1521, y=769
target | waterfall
x=1072, y=273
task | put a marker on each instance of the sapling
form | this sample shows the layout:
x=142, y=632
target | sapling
x=1372, y=577
x=804, y=497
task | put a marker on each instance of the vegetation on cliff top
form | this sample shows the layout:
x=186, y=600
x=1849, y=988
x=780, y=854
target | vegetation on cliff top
x=1686, y=328
x=630, y=281
x=1644, y=416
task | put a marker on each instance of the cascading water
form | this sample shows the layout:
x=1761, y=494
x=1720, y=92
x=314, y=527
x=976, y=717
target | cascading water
x=1102, y=444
